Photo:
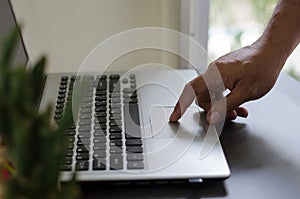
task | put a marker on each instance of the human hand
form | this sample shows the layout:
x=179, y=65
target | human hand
x=249, y=73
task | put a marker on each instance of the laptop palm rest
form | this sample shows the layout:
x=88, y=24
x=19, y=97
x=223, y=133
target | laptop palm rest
x=169, y=141
x=188, y=127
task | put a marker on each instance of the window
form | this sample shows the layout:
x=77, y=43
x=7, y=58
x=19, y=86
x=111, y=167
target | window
x=237, y=23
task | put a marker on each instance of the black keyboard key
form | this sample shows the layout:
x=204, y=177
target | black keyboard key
x=115, y=123
x=134, y=149
x=63, y=82
x=65, y=167
x=64, y=78
x=99, y=133
x=135, y=157
x=61, y=96
x=132, y=76
x=100, y=103
x=84, y=128
x=135, y=165
x=70, y=139
x=99, y=140
x=101, y=93
x=129, y=90
x=101, y=146
x=83, y=122
x=133, y=85
x=100, y=109
x=115, y=136
x=84, y=134
x=115, y=100
x=132, y=121
x=115, y=106
x=87, y=100
x=83, y=142
x=116, y=162
x=63, y=87
x=85, y=116
x=100, y=114
x=100, y=120
x=69, y=152
x=115, y=129
x=99, y=153
x=82, y=165
x=115, y=117
x=57, y=116
x=62, y=91
x=114, y=76
x=115, y=95
x=100, y=126
x=99, y=165
x=70, y=132
x=82, y=149
x=102, y=85
x=58, y=106
x=130, y=95
x=59, y=111
x=73, y=77
x=116, y=150
x=102, y=77
x=82, y=156
x=116, y=143
x=86, y=111
x=125, y=81
x=114, y=111
x=70, y=146
x=130, y=100
x=72, y=126
x=101, y=98
x=60, y=101
x=68, y=160
x=114, y=86
x=86, y=105
x=134, y=142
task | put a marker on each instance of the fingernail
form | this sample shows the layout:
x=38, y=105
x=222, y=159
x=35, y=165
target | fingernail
x=215, y=117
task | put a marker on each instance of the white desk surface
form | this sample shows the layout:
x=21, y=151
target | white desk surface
x=262, y=151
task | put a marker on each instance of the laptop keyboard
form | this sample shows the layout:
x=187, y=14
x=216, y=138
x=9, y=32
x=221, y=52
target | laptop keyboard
x=107, y=133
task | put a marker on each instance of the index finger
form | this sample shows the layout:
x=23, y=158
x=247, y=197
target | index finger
x=189, y=93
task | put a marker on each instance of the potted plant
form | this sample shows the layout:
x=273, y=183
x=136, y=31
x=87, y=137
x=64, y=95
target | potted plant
x=33, y=147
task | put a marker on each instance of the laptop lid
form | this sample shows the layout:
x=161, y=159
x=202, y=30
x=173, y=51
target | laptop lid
x=7, y=24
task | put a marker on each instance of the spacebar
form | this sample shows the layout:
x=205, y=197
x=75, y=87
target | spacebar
x=132, y=121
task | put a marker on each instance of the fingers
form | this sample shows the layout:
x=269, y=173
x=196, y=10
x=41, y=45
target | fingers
x=187, y=97
x=242, y=112
x=226, y=105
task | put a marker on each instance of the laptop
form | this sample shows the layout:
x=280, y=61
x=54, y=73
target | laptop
x=122, y=131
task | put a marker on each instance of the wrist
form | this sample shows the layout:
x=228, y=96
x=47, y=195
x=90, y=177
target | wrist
x=271, y=51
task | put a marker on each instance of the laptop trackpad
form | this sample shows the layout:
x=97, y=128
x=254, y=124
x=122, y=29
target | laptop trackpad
x=189, y=125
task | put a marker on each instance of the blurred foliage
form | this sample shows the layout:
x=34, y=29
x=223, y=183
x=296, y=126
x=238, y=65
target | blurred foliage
x=235, y=17
x=229, y=13
x=262, y=9
x=34, y=144
x=293, y=74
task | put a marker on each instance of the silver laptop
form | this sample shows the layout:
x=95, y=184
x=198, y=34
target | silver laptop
x=122, y=131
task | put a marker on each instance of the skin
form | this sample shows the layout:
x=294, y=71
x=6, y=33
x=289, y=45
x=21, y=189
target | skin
x=248, y=73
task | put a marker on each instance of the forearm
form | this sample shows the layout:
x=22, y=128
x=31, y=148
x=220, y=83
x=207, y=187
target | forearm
x=282, y=33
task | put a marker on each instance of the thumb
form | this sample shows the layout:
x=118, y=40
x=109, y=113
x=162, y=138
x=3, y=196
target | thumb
x=231, y=102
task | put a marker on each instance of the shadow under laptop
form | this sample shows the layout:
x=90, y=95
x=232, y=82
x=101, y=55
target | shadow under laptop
x=159, y=189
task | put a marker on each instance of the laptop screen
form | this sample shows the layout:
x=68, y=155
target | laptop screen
x=7, y=23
